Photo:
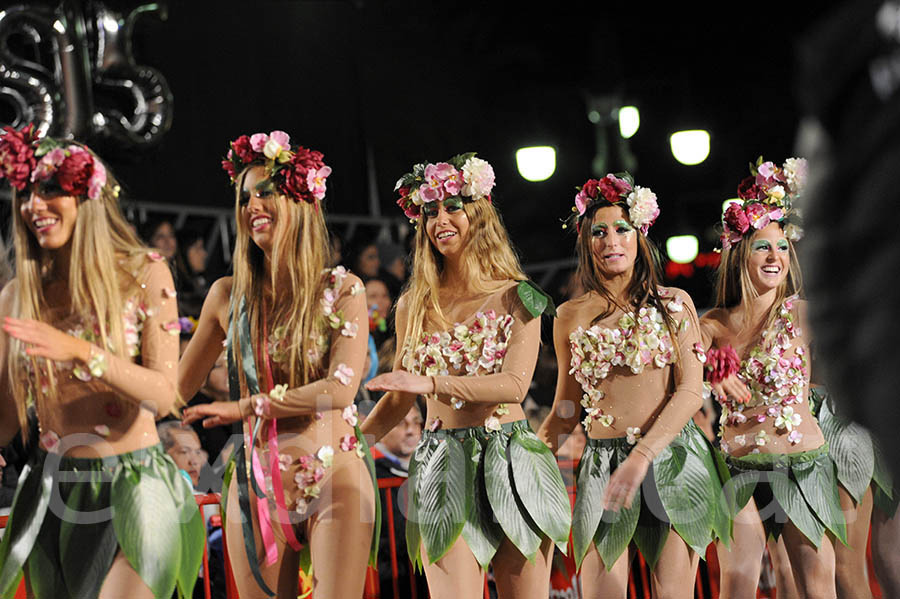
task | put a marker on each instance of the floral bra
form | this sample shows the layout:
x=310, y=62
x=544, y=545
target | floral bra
x=473, y=349
x=775, y=378
x=640, y=341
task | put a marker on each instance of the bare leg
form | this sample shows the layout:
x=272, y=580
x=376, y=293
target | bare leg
x=676, y=571
x=516, y=577
x=740, y=564
x=851, y=573
x=123, y=582
x=457, y=575
x=813, y=568
x=599, y=583
x=781, y=563
x=340, y=532
x=886, y=551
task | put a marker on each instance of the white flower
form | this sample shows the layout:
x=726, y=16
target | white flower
x=633, y=433
x=787, y=419
x=457, y=404
x=478, y=177
x=102, y=430
x=642, y=208
x=776, y=192
x=793, y=232
x=302, y=506
x=344, y=374
x=762, y=438
x=740, y=440
x=795, y=170
x=676, y=305
x=357, y=288
x=492, y=424
x=326, y=455
x=278, y=392
x=350, y=329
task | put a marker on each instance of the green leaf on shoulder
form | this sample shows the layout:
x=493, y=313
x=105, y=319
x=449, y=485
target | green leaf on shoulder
x=535, y=299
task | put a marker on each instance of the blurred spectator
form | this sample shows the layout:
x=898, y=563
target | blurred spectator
x=160, y=234
x=337, y=248
x=386, y=355
x=191, y=280
x=391, y=456
x=380, y=302
x=364, y=260
x=216, y=439
x=364, y=399
x=10, y=456
x=393, y=260
x=183, y=446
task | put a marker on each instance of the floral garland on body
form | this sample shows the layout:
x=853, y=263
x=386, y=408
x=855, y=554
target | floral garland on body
x=766, y=196
x=618, y=189
x=26, y=159
x=299, y=174
x=463, y=175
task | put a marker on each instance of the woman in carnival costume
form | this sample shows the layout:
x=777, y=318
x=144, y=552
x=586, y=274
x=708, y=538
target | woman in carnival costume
x=625, y=352
x=300, y=489
x=783, y=482
x=483, y=488
x=90, y=347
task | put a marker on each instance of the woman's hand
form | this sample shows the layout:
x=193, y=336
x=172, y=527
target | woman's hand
x=731, y=387
x=46, y=341
x=217, y=413
x=624, y=482
x=402, y=381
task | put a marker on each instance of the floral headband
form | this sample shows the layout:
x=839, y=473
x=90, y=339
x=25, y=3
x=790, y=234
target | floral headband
x=766, y=196
x=618, y=189
x=463, y=175
x=25, y=159
x=299, y=174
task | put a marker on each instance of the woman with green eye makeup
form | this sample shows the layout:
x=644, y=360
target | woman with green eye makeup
x=626, y=353
x=483, y=490
x=758, y=365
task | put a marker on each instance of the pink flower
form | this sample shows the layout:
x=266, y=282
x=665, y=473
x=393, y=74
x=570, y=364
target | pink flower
x=766, y=174
x=97, y=181
x=17, y=158
x=284, y=460
x=758, y=215
x=349, y=415
x=258, y=141
x=795, y=437
x=748, y=190
x=430, y=193
x=722, y=363
x=315, y=181
x=581, y=202
x=344, y=374
x=47, y=165
x=50, y=441
x=435, y=425
x=735, y=219
x=262, y=405
x=102, y=430
x=348, y=442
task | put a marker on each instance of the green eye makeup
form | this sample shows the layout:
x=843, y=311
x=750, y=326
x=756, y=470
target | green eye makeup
x=783, y=245
x=598, y=229
x=760, y=244
x=621, y=224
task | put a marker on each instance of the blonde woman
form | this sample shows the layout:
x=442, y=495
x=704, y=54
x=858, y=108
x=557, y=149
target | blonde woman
x=296, y=342
x=625, y=351
x=483, y=489
x=89, y=350
x=759, y=365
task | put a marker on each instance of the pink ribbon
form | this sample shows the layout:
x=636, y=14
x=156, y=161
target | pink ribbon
x=262, y=508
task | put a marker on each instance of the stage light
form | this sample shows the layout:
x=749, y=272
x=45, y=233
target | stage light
x=682, y=248
x=537, y=163
x=629, y=121
x=690, y=147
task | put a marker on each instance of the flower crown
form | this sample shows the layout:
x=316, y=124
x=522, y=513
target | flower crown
x=463, y=175
x=299, y=174
x=618, y=189
x=766, y=196
x=26, y=159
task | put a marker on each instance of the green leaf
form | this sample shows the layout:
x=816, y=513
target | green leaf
x=29, y=507
x=881, y=473
x=817, y=483
x=505, y=504
x=616, y=530
x=741, y=487
x=305, y=559
x=481, y=533
x=684, y=490
x=87, y=539
x=593, y=476
x=884, y=502
x=460, y=159
x=193, y=537
x=535, y=299
x=413, y=534
x=140, y=510
x=789, y=496
x=442, y=498
x=540, y=486
x=650, y=536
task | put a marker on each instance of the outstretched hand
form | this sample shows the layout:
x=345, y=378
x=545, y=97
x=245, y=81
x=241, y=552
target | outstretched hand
x=46, y=341
x=402, y=381
x=217, y=413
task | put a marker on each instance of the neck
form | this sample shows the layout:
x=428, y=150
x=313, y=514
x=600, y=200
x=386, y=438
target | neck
x=617, y=286
x=759, y=307
x=62, y=259
x=452, y=276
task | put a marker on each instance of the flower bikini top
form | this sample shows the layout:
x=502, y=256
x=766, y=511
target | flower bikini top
x=775, y=376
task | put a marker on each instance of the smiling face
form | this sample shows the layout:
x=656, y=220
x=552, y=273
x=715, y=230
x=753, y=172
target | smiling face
x=50, y=217
x=613, y=242
x=446, y=225
x=769, y=261
x=258, y=210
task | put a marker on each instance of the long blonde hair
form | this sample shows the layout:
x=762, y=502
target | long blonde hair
x=301, y=253
x=488, y=256
x=733, y=285
x=105, y=254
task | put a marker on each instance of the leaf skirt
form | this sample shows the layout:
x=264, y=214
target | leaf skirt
x=484, y=486
x=800, y=487
x=70, y=516
x=856, y=454
x=683, y=490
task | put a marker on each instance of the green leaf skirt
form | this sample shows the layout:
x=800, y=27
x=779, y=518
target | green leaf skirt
x=800, y=487
x=683, y=490
x=856, y=454
x=71, y=516
x=485, y=486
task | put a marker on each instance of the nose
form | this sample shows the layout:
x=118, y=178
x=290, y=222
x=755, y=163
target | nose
x=34, y=202
x=255, y=204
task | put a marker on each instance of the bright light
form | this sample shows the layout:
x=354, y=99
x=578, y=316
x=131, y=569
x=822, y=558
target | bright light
x=537, y=163
x=729, y=202
x=682, y=248
x=690, y=147
x=629, y=121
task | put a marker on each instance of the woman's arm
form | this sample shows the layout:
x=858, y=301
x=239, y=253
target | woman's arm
x=566, y=410
x=9, y=419
x=205, y=345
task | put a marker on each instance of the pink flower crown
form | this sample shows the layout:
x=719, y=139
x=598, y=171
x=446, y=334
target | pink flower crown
x=463, y=175
x=299, y=174
x=767, y=195
x=618, y=189
x=25, y=159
